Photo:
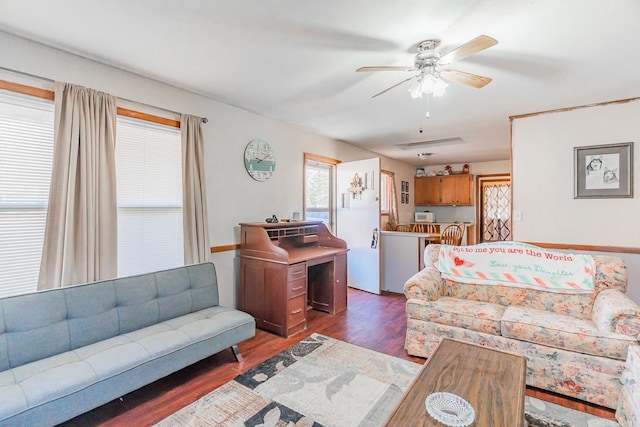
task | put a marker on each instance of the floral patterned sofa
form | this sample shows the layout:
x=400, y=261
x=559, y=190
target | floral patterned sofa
x=575, y=344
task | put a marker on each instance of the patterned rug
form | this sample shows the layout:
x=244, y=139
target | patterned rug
x=325, y=382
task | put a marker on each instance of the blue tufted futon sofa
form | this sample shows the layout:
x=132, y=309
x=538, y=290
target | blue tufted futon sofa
x=68, y=350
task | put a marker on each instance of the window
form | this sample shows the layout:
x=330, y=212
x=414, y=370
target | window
x=26, y=156
x=319, y=190
x=149, y=192
x=149, y=179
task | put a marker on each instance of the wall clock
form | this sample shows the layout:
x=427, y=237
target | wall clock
x=259, y=160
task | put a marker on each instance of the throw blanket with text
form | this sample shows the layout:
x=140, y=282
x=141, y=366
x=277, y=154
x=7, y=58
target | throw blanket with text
x=518, y=264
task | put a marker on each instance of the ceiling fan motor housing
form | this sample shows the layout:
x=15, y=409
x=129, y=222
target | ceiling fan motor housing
x=427, y=55
x=427, y=59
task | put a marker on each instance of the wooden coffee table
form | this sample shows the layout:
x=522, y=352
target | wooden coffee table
x=492, y=381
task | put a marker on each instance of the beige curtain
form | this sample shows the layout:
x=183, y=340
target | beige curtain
x=196, y=230
x=80, y=236
x=393, y=202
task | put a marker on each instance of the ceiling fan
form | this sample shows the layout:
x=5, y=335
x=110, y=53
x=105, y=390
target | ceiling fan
x=428, y=78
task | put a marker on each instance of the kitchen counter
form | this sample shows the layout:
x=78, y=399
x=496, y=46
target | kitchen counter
x=407, y=234
x=401, y=255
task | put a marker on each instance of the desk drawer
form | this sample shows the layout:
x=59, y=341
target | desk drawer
x=297, y=287
x=296, y=310
x=297, y=271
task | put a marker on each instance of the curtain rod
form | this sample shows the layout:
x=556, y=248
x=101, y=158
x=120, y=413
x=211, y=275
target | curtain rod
x=204, y=119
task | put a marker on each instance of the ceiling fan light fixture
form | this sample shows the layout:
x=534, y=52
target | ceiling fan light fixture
x=428, y=83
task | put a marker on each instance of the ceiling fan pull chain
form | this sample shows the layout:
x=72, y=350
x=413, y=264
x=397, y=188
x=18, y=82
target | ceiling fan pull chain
x=421, y=116
x=427, y=114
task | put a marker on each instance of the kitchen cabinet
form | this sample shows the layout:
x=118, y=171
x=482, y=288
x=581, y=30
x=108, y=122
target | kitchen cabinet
x=444, y=190
x=427, y=190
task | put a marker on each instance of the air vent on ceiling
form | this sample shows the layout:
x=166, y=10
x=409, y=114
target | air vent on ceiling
x=422, y=144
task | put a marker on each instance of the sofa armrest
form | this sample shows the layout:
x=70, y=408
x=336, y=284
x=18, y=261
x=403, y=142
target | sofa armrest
x=613, y=311
x=425, y=285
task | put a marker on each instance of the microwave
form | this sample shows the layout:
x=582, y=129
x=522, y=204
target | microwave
x=424, y=217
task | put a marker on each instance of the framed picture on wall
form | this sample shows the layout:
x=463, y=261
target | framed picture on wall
x=603, y=171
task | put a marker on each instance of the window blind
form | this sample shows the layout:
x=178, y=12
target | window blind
x=26, y=156
x=149, y=195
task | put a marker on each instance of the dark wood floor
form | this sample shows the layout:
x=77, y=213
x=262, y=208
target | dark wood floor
x=372, y=321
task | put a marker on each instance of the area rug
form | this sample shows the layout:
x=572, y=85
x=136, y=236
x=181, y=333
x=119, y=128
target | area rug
x=326, y=382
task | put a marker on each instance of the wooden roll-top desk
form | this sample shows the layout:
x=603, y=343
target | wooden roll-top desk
x=287, y=268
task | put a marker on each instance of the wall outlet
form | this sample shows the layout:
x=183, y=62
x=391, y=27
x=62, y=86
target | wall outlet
x=517, y=215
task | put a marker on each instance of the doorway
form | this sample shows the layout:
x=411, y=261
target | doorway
x=495, y=222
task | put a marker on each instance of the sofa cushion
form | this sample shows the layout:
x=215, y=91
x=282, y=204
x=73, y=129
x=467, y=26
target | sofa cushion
x=35, y=327
x=91, y=312
x=562, y=331
x=474, y=315
x=577, y=305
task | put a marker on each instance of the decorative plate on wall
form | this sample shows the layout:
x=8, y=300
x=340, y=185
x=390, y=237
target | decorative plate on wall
x=259, y=160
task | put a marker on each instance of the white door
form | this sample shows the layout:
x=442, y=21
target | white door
x=358, y=221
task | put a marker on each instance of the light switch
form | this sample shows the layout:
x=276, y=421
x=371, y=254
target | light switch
x=517, y=215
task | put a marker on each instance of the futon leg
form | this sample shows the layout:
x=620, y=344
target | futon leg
x=236, y=353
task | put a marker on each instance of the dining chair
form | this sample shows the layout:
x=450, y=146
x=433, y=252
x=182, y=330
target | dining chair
x=403, y=227
x=427, y=227
x=451, y=235
x=424, y=227
x=388, y=226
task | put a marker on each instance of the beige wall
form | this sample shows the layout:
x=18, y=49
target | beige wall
x=478, y=168
x=543, y=177
x=233, y=196
x=543, y=181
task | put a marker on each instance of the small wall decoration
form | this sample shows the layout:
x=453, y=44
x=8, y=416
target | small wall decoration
x=259, y=160
x=368, y=180
x=345, y=201
x=404, y=195
x=355, y=186
x=603, y=171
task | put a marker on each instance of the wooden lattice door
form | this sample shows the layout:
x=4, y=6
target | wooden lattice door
x=495, y=214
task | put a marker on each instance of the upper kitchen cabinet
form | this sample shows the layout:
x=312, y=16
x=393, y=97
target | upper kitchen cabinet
x=427, y=191
x=444, y=190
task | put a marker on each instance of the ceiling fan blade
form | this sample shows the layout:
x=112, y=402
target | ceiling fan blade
x=386, y=68
x=392, y=87
x=469, y=48
x=465, y=78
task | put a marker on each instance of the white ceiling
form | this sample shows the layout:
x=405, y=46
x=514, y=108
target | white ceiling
x=295, y=60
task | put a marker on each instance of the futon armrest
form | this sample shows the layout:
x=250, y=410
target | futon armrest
x=425, y=285
x=613, y=311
